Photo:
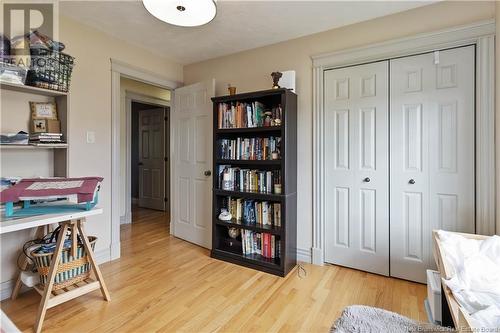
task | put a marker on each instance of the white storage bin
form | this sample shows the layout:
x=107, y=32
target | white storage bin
x=434, y=294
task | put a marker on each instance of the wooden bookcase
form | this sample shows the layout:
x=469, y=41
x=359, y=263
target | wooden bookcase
x=223, y=246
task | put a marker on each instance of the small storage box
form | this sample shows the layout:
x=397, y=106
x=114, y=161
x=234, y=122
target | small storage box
x=434, y=294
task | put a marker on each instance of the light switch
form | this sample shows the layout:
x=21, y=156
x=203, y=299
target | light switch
x=90, y=137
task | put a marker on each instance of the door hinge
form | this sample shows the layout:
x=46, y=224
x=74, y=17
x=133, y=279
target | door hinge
x=165, y=199
x=166, y=118
x=166, y=159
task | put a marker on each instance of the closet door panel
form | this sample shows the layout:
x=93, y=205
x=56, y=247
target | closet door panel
x=432, y=155
x=356, y=164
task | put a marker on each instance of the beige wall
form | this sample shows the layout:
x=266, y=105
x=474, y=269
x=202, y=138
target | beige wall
x=250, y=70
x=90, y=104
x=497, y=64
x=138, y=88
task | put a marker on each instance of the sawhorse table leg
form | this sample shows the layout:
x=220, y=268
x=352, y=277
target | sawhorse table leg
x=48, y=300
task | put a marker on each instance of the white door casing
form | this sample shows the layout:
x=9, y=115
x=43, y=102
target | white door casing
x=356, y=167
x=432, y=154
x=152, y=158
x=191, y=150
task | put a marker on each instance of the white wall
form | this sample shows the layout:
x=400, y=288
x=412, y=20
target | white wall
x=90, y=110
x=250, y=70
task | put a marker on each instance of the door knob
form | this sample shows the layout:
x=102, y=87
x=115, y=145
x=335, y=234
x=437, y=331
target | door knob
x=411, y=181
x=140, y=163
x=207, y=173
x=366, y=180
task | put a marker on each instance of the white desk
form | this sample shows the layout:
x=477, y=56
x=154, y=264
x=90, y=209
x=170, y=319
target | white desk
x=11, y=224
x=74, y=222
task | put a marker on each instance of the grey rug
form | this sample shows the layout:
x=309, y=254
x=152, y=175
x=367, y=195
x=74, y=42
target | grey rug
x=366, y=319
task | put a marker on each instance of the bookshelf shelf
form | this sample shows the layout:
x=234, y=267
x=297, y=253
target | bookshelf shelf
x=254, y=227
x=252, y=259
x=250, y=195
x=30, y=90
x=250, y=162
x=281, y=207
x=249, y=130
x=4, y=146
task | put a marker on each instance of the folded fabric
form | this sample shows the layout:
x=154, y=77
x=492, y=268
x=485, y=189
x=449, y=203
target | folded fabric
x=475, y=280
x=39, y=188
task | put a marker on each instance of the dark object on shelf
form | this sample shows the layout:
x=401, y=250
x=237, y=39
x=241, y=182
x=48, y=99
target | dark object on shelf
x=280, y=237
x=50, y=69
x=40, y=41
x=276, y=77
x=4, y=48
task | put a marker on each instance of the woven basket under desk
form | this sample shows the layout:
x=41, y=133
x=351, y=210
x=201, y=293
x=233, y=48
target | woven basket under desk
x=69, y=271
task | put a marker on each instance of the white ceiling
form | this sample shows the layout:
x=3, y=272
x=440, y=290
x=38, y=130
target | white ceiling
x=238, y=26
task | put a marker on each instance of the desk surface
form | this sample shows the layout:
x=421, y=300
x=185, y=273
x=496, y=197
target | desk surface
x=11, y=224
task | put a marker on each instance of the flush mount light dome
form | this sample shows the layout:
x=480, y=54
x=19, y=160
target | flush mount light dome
x=184, y=13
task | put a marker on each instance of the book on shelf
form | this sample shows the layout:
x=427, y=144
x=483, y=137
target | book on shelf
x=264, y=244
x=247, y=180
x=267, y=148
x=254, y=212
x=248, y=115
x=46, y=138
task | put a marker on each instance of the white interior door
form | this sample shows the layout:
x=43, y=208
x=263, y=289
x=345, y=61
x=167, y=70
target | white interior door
x=152, y=158
x=356, y=167
x=432, y=154
x=191, y=150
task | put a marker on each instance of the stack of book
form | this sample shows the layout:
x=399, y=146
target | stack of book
x=246, y=180
x=255, y=212
x=250, y=148
x=40, y=139
x=260, y=243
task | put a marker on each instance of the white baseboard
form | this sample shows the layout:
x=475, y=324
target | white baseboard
x=317, y=256
x=6, y=287
x=304, y=255
x=126, y=219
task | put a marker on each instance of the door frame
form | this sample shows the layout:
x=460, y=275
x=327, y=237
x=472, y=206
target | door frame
x=480, y=34
x=162, y=103
x=121, y=69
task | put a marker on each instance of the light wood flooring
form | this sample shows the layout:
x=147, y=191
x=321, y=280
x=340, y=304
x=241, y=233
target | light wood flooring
x=164, y=284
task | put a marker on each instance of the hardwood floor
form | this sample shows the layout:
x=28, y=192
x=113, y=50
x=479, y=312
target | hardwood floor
x=164, y=284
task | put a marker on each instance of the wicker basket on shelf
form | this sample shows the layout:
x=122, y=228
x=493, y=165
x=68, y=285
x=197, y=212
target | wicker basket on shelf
x=70, y=270
x=50, y=69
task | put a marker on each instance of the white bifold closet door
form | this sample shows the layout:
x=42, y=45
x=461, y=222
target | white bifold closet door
x=431, y=154
x=356, y=167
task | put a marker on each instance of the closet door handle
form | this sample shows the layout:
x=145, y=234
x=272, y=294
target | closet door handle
x=411, y=181
x=366, y=180
x=207, y=173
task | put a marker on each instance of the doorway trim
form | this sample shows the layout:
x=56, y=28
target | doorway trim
x=130, y=97
x=480, y=34
x=121, y=69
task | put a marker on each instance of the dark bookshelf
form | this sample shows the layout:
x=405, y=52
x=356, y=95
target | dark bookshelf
x=230, y=249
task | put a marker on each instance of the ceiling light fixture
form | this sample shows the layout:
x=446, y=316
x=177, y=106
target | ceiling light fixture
x=183, y=13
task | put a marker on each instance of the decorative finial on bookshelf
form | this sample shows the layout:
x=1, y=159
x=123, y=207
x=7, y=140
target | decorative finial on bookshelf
x=276, y=77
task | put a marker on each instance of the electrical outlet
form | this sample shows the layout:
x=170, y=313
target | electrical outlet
x=90, y=137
